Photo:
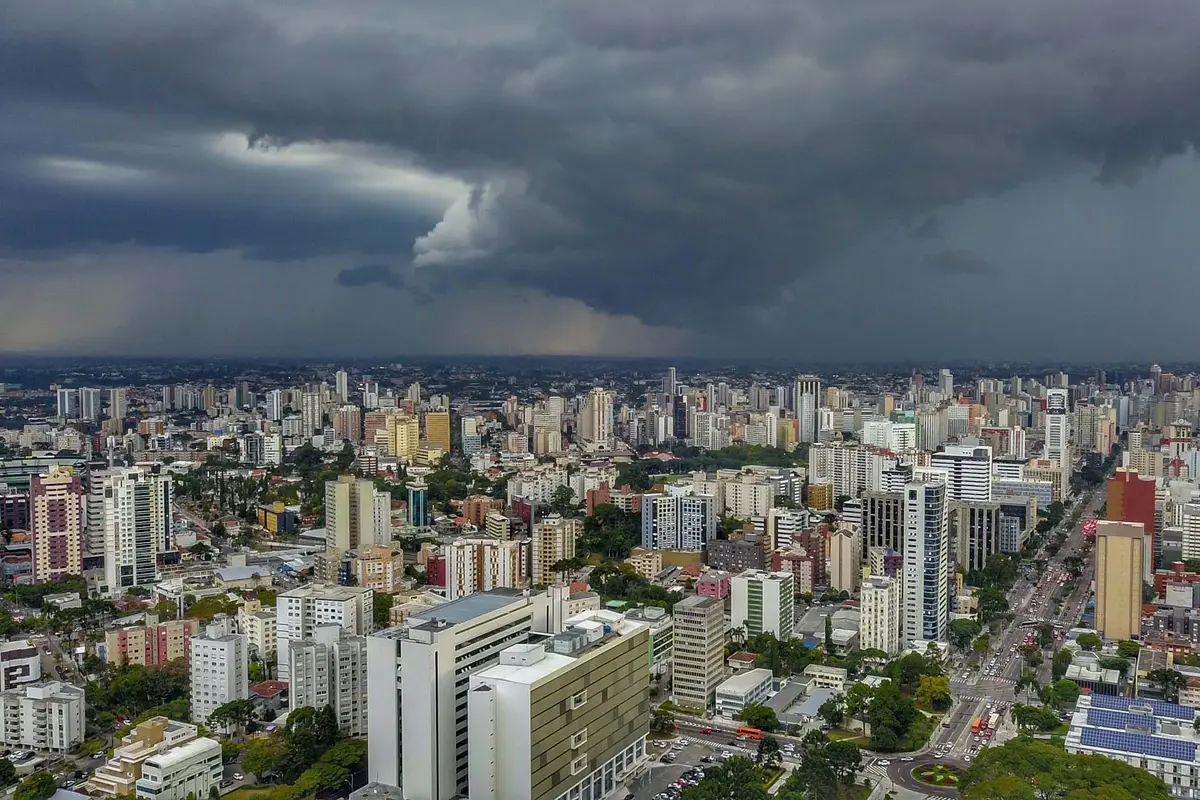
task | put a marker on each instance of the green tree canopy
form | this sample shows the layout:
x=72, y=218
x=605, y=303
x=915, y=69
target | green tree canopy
x=1090, y=641
x=1005, y=772
x=736, y=779
x=761, y=717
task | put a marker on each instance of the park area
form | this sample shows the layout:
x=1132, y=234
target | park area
x=938, y=775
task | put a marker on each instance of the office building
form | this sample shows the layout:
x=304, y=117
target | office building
x=1130, y=497
x=275, y=405
x=419, y=677
x=975, y=533
x=118, y=776
x=883, y=520
x=562, y=718
x=968, y=472
x=479, y=565
x=662, y=635
x=312, y=414
x=418, y=505
x=763, y=602
x=1119, y=554
x=330, y=669
x=118, y=404
x=299, y=611
x=553, y=541
x=150, y=645
x=1058, y=434
x=341, y=383
x=678, y=521
x=46, y=716
x=219, y=668
x=1152, y=735
x=749, y=687
x=89, y=404
x=926, y=561
x=880, y=614
x=596, y=419
x=57, y=514
x=137, y=527
x=356, y=514
x=845, y=558
x=191, y=770
x=68, y=404
x=698, y=651
x=437, y=430
x=20, y=662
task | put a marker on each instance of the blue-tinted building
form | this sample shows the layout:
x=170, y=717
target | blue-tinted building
x=418, y=505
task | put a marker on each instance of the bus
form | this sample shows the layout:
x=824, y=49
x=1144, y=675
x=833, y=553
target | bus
x=993, y=720
x=975, y=726
x=749, y=733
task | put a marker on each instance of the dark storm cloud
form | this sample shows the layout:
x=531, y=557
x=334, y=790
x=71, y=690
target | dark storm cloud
x=623, y=153
x=370, y=274
x=930, y=228
x=959, y=262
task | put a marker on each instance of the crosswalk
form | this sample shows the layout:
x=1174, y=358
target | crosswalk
x=876, y=769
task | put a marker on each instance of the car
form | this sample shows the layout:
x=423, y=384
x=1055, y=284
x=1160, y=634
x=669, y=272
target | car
x=966, y=758
x=907, y=758
x=883, y=762
x=706, y=731
x=706, y=759
x=937, y=755
x=237, y=776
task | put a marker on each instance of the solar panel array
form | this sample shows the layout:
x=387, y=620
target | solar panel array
x=1136, y=743
x=1161, y=709
x=1103, y=718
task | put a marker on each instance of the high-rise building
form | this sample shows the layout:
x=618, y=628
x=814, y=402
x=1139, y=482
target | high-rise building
x=347, y=422
x=845, y=558
x=968, y=472
x=975, y=533
x=275, y=405
x=883, y=520
x=880, y=614
x=356, y=514
x=312, y=414
x=219, y=668
x=946, y=383
x=1130, y=497
x=403, y=436
x=152, y=644
x=564, y=718
x=697, y=651
x=437, y=429
x=330, y=669
x=89, y=404
x=419, y=676
x=118, y=403
x=553, y=541
x=678, y=520
x=341, y=382
x=763, y=602
x=137, y=526
x=419, y=515
x=926, y=561
x=1119, y=555
x=68, y=404
x=479, y=565
x=299, y=611
x=596, y=418
x=1058, y=433
x=57, y=514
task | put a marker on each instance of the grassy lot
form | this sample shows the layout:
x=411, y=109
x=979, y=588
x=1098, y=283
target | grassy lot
x=853, y=737
x=918, y=735
x=249, y=793
x=693, y=712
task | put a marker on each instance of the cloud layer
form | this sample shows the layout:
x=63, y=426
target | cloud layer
x=701, y=167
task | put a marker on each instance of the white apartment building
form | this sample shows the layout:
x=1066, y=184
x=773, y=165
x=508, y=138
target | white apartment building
x=850, y=467
x=898, y=437
x=926, y=561
x=330, y=669
x=137, y=527
x=190, y=770
x=880, y=614
x=1058, y=432
x=564, y=718
x=968, y=472
x=479, y=565
x=697, y=650
x=258, y=625
x=763, y=602
x=299, y=611
x=47, y=716
x=419, y=675
x=538, y=484
x=678, y=520
x=749, y=496
x=219, y=668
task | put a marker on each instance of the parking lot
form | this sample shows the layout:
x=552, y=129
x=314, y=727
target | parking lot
x=673, y=761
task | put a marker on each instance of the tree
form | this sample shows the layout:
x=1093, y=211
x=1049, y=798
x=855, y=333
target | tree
x=769, y=754
x=381, y=609
x=8, y=773
x=1031, y=654
x=933, y=693
x=963, y=631
x=236, y=714
x=1128, y=649
x=563, y=501
x=662, y=721
x=761, y=717
x=38, y=786
x=832, y=711
x=262, y=755
x=1009, y=773
x=858, y=700
x=1089, y=641
x=1027, y=682
x=1169, y=683
x=829, y=634
x=1065, y=692
x=982, y=644
x=1045, y=635
x=890, y=715
x=736, y=779
x=1062, y=660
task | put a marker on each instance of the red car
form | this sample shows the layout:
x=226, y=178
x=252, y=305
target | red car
x=706, y=731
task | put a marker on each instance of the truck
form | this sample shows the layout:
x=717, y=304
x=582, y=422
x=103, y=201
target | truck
x=975, y=726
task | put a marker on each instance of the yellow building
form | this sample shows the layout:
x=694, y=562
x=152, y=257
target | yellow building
x=379, y=568
x=276, y=518
x=1043, y=469
x=647, y=563
x=1119, y=552
x=437, y=430
x=820, y=496
x=404, y=436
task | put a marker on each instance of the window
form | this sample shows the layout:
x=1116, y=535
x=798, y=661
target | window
x=579, y=764
x=579, y=739
x=577, y=701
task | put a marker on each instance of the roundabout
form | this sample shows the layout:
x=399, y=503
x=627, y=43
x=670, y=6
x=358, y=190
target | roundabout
x=944, y=776
x=936, y=777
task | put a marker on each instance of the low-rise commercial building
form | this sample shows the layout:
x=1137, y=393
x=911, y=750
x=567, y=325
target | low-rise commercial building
x=20, y=662
x=748, y=688
x=190, y=770
x=118, y=776
x=820, y=676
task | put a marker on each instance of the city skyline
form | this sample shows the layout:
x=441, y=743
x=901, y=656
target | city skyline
x=773, y=179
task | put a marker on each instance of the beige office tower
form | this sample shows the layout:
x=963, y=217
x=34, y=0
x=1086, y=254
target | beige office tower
x=403, y=436
x=564, y=718
x=356, y=514
x=437, y=430
x=698, y=650
x=553, y=541
x=1119, y=579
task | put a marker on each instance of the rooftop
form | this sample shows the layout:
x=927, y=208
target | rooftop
x=1124, y=726
x=184, y=752
x=744, y=681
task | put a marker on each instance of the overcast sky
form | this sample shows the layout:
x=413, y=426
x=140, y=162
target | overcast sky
x=805, y=179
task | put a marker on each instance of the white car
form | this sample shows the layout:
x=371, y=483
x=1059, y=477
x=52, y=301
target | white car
x=907, y=758
x=883, y=762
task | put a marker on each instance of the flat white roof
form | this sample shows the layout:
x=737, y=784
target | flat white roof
x=744, y=681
